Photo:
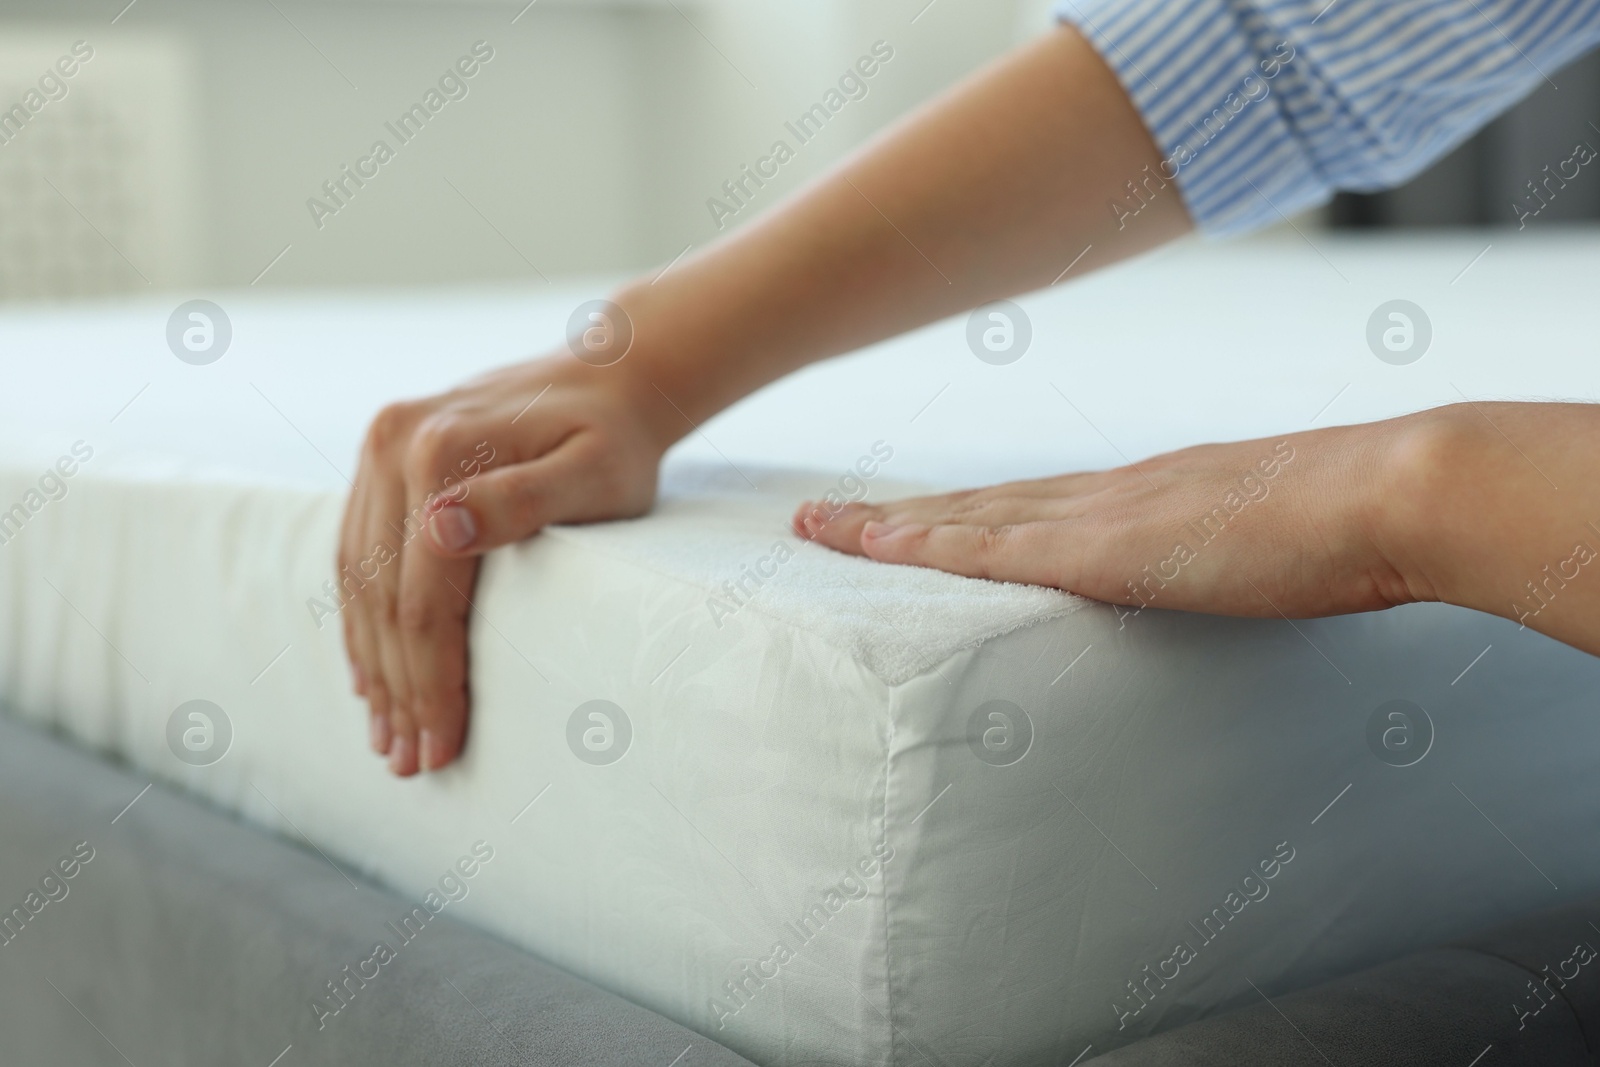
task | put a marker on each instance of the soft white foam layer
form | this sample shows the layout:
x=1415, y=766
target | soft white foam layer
x=731, y=537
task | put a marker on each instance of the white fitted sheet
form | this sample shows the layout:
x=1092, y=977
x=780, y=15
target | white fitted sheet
x=796, y=742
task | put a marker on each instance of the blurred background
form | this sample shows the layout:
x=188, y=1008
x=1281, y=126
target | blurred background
x=185, y=151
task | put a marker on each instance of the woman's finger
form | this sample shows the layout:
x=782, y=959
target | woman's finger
x=843, y=533
x=434, y=610
x=380, y=602
x=1035, y=553
x=360, y=640
x=512, y=503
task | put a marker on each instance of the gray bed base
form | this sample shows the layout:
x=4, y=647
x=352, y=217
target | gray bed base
x=169, y=934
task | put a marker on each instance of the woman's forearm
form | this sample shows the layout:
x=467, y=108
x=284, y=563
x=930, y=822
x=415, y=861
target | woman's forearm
x=1497, y=507
x=989, y=191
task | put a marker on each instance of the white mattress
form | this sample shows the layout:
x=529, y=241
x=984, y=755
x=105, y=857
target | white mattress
x=816, y=746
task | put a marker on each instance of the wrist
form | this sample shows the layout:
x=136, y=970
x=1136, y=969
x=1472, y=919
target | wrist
x=1450, y=507
x=630, y=351
x=681, y=365
x=1411, y=506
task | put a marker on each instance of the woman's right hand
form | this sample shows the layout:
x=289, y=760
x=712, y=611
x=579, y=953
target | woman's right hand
x=443, y=480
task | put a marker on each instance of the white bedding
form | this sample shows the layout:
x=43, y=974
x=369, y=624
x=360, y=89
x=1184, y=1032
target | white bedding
x=1186, y=780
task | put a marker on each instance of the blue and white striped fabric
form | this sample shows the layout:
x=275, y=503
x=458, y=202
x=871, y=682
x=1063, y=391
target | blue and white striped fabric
x=1263, y=108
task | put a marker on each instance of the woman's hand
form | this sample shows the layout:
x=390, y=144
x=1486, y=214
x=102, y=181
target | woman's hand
x=443, y=480
x=1286, y=525
x=1491, y=506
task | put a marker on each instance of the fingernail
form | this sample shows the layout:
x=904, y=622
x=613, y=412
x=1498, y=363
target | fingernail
x=452, y=528
x=382, y=733
x=403, y=755
x=434, y=754
x=877, y=531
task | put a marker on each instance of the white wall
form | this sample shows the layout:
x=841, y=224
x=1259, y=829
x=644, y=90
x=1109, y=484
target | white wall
x=590, y=143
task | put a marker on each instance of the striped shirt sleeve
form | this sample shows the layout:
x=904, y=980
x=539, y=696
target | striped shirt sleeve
x=1263, y=108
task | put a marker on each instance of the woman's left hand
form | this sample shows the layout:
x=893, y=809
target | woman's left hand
x=1492, y=506
x=1292, y=526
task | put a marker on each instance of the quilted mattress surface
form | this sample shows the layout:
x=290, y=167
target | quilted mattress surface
x=855, y=814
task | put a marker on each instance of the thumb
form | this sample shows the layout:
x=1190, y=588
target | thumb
x=507, y=505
